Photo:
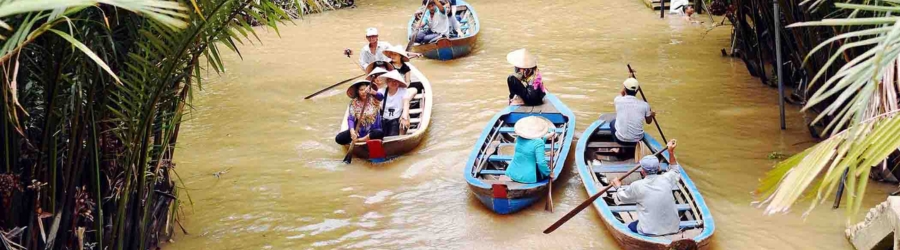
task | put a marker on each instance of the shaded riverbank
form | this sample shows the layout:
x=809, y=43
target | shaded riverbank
x=286, y=188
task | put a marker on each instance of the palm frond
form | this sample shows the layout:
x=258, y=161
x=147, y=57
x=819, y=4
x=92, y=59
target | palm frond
x=861, y=99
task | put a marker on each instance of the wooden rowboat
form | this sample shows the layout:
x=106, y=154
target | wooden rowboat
x=494, y=151
x=451, y=48
x=598, y=165
x=419, y=119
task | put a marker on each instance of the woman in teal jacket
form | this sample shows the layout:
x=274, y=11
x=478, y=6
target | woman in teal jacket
x=529, y=164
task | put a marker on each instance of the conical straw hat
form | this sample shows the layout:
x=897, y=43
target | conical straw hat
x=522, y=59
x=395, y=76
x=532, y=127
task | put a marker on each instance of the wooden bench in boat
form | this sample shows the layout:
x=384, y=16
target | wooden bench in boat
x=614, y=189
x=492, y=172
x=510, y=130
x=633, y=208
x=609, y=144
x=496, y=158
x=622, y=168
x=547, y=146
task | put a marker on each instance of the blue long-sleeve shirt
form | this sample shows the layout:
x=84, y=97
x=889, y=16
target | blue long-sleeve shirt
x=528, y=160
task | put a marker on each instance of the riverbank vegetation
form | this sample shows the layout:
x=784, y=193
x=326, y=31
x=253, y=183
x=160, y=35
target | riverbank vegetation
x=856, y=87
x=93, y=95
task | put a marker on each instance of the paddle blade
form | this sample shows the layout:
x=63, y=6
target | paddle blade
x=348, y=158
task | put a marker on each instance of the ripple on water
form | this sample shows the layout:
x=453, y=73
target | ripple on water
x=324, y=226
x=378, y=197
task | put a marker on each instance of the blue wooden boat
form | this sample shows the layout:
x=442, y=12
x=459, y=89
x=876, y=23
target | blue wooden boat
x=454, y=47
x=599, y=163
x=494, y=151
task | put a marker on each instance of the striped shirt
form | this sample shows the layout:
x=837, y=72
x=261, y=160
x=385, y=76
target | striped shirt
x=630, y=116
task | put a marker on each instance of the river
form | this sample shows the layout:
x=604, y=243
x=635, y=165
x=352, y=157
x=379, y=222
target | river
x=282, y=184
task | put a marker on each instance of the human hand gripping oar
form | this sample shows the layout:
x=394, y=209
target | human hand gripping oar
x=641, y=90
x=415, y=32
x=588, y=202
x=346, y=53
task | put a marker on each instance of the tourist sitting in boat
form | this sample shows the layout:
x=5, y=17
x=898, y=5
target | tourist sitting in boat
x=657, y=213
x=525, y=85
x=434, y=23
x=631, y=113
x=529, y=164
x=399, y=57
x=373, y=51
x=395, y=113
x=365, y=114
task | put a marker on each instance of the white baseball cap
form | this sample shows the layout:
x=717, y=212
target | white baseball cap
x=631, y=84
x=371, y=32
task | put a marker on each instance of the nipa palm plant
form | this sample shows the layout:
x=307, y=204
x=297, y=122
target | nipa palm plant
x=93, y=95
x=863, y=97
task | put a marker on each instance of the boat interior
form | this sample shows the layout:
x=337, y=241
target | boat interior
x=609, y=160
x=497, y=152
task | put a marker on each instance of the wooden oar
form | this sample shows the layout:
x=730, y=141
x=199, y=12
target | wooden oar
x=349, y=157
x=415, y=33
x=549, y=205
x=641, y=90
x=336, y=84
x=588, y=202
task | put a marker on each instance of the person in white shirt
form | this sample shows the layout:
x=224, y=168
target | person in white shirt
x=395, y=114
x=435, y=23
x=656, y=208
x=631, y=113
x=374, y=50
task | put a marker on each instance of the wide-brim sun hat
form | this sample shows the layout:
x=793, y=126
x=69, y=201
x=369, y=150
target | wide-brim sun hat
x=377, y=72
x=631, y=84
x=395, y=76
x=532, y=127
x=387, y=66
x=397, y=50
x=522, y=59
x=353, y=90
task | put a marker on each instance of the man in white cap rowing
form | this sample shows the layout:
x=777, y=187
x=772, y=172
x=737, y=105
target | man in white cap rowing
x=631, y=113
x=657, y=213
x=374, y=50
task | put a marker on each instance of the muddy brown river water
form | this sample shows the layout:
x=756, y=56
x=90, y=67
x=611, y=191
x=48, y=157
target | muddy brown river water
x=286, y=188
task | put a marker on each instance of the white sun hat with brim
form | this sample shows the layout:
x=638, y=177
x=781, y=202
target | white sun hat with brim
x=394, y=75
x=631, y=84
x=532, y=127
x=377, y=72
x=386, y=65
x=522, y=59
x=397, y=50
x=371, y=32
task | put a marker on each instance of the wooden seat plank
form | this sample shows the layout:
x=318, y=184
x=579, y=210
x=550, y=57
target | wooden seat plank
x=632, y=208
